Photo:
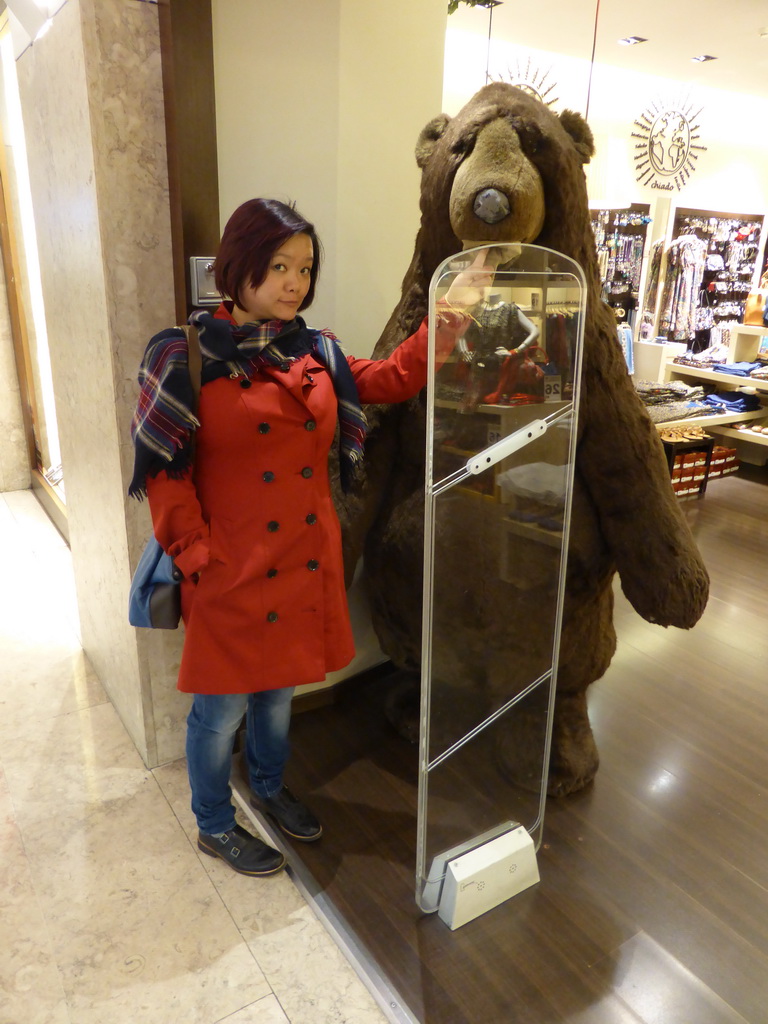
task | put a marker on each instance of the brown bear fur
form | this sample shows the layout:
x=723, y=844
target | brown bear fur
x=625, y=516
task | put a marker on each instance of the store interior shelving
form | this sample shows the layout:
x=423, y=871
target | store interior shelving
x=620, y=237
x=744, y=344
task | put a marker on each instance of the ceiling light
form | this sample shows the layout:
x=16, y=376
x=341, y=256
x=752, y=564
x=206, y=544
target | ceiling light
x=702, y=57
x=631, y=41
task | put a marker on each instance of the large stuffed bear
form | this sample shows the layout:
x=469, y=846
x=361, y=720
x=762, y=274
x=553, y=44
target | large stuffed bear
x=507, y=169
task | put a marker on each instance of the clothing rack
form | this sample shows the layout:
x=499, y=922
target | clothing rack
x=704, y=275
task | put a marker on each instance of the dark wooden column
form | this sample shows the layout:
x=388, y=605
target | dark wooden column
x=186, y=41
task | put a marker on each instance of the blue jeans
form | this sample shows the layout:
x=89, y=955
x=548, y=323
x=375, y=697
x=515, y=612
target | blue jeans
x=211, y=728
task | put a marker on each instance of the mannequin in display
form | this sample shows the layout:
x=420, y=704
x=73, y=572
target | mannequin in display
x=625, y=514
x=498, y=335
x=249, y=519
x=499, y=330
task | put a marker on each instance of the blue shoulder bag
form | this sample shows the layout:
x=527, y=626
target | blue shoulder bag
x=154, y=600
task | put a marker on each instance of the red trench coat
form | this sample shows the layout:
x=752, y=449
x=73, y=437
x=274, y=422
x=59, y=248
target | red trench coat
x=258, y=524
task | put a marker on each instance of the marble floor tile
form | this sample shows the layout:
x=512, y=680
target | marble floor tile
x=136, y=928
x=43, y=683
x=30, y=983
x=110, y=914
x=67, y=767
x=304, y=967
x=306, y=970
x=265, y=1011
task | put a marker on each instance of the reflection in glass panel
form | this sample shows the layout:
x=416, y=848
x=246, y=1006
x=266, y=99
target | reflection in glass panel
x=500, y=456
x=498, y=541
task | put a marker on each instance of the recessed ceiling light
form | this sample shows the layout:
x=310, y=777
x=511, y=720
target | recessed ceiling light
x=632, y=41
x=702, y=57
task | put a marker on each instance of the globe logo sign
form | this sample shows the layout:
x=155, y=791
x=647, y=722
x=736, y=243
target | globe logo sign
x=669, y=142
x=667, y=146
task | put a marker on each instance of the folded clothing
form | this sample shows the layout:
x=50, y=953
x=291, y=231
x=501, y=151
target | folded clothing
x=539, y=480
x=669, y=411
x=736, y=369
x=733, y=401
x=656, y=392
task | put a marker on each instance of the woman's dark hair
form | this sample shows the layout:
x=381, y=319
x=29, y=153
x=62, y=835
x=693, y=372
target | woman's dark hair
x=252, y=234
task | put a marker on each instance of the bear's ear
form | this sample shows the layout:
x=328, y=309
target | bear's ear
x=429, y=135
x=581, y=134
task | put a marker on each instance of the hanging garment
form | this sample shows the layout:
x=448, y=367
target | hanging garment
x=686, y=259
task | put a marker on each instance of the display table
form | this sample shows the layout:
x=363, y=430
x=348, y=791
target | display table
x=700, y=444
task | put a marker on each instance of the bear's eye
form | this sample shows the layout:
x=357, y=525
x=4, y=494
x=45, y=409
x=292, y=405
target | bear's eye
x=531, y=138
x=463, y=146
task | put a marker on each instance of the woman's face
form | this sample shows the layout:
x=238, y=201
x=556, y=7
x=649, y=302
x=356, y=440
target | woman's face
x=285, y=287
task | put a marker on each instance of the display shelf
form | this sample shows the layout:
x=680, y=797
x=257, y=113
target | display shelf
x=743, y=435
x=721, y=378
x=754, y=332
x=742, y=348
x=550, y=407
x=712, y=421
x=452, y=450
x=534, y=532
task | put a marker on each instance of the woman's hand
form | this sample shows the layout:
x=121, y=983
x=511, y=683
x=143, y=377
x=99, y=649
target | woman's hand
x=469, y=286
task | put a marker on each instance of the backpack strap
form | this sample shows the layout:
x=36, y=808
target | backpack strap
x=195, y=362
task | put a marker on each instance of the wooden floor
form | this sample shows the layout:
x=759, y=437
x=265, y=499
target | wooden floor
x=653, y=901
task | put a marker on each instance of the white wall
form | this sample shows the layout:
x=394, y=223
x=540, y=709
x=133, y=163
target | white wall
x=276, y=75
x=322, y=101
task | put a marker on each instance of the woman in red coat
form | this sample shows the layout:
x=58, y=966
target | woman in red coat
x=252, y=526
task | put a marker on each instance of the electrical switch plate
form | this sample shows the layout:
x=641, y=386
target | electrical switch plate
x=202, y=286
x=484, y=877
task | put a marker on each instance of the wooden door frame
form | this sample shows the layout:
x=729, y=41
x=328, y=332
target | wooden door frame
x=186, y=49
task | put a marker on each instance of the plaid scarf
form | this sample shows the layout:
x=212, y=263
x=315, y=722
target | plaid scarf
x=163, y=423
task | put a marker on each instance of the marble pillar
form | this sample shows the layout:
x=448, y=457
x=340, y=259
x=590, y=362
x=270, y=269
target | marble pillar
x=92, y=102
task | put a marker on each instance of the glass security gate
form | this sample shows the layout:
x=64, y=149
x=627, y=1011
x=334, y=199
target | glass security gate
x=501, y=433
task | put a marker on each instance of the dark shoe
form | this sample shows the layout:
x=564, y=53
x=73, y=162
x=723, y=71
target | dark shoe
x=242, y=851
x=290, y=815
